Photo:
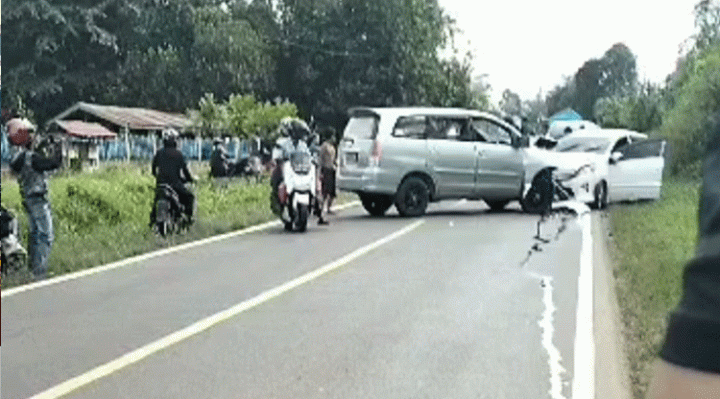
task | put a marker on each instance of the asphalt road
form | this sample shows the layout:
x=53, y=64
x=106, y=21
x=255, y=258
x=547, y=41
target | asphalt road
x=456, y=304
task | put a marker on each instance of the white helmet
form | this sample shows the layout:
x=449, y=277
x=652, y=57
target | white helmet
x=169, y=137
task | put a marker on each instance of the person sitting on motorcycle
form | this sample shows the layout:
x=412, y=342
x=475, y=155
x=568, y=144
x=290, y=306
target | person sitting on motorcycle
x=169, y=167
x=294, y=137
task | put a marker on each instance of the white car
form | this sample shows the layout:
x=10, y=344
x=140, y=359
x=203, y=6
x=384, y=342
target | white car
x=603, y=165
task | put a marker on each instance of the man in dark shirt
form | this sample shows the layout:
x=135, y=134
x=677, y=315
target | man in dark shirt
x=169, y=167
x=690, y=365
x=219, y=165
x=32, y=169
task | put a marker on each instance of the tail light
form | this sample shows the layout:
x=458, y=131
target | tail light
x=376, y=153
x=282, y=194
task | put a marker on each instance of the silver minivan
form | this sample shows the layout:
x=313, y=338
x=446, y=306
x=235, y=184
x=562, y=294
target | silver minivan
x=412, y=156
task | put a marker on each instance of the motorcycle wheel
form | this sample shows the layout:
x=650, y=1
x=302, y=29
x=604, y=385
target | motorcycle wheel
x=163, y=217
x=16, y=261
x=302, y=218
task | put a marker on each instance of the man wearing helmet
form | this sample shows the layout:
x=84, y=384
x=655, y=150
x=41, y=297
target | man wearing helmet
x=169, y=167
x=295, y=136
x=32, y=169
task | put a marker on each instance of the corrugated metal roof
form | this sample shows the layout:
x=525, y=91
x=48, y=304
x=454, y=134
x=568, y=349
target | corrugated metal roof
x=86, y=130
x=133, y=118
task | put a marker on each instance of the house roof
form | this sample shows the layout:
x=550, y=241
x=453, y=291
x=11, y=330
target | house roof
x=133, y=118
x=85, y=130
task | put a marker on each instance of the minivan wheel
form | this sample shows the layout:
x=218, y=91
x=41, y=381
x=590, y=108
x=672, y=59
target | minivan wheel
x=376, y=204
x=412, y=197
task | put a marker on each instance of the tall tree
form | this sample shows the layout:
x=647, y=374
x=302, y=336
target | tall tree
x=340, y=53
x=614, y=74
x=510, y=103
x=56, y=51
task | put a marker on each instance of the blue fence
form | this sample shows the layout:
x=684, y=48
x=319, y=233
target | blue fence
x=141, y=148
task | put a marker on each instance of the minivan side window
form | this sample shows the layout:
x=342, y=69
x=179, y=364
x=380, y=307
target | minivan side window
x=443, y=128
x=491, y=132
x=413, y=127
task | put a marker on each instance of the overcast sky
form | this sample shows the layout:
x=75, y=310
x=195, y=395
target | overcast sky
x=526, y=45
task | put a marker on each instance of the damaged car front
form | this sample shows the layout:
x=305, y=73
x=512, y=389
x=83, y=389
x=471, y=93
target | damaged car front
x=602, y=165
x=574, y=174
x=579, y=166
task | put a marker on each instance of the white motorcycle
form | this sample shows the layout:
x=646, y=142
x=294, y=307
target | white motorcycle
x=14, y=255
x=297, y=191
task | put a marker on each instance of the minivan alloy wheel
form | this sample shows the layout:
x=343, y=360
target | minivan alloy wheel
x=412, y=197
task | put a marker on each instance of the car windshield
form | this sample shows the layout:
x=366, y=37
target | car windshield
x=583, y=144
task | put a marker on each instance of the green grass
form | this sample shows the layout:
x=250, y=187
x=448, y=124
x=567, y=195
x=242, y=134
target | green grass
x=653, y=241
x=102, y=216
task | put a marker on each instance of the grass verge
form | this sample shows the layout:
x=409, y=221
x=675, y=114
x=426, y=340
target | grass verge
x=103, y=216
x=652, y=241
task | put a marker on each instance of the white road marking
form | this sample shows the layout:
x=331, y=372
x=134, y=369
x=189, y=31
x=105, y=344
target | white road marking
x=583, y=386
x=149, y=255
x=202, y=325
x=548, y=330
x=584, y=374
x=554, y=357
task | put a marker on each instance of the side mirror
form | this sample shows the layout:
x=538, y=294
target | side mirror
x=615, y=157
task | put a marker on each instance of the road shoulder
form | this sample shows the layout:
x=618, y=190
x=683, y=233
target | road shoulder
x=611, y=368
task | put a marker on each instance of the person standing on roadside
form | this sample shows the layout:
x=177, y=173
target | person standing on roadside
x=690, y=357
x=219, y=164
x=328, y=164
x=32, y=168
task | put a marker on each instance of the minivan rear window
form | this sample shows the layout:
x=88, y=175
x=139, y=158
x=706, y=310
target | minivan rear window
x=362, y=127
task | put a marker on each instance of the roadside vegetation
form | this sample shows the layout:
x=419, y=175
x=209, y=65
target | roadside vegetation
x=652, y=241
x=103, y=216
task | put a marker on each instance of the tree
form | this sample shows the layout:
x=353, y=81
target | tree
x=510, y=103
x=619, y=73
x=230, y=55
x=340, y=53
x=696, y=101
x=57, y=52
x=707, y=24
x=614, y=74
x=480, y=90
x=561, y=97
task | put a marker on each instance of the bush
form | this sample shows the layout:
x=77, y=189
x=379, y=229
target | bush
x=103, y=216
x=697, y=99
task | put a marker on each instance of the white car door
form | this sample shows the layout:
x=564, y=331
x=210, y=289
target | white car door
x=637, y=173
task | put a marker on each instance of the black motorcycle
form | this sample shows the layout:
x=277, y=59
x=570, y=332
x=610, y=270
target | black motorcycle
x=170, y=215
